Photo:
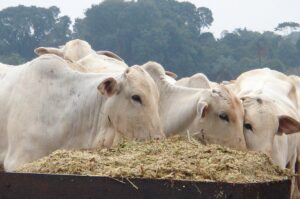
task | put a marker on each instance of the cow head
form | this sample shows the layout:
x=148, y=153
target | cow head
x=73, y=50
x=198, y=80
x=262, y=123
x=214, y=115
x=132, y=105
x=220, y=118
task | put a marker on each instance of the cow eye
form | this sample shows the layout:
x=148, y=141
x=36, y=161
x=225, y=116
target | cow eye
x=248, y=126
x=136, y=98
x=224, y=116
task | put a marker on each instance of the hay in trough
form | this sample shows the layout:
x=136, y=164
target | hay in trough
x=172, y=158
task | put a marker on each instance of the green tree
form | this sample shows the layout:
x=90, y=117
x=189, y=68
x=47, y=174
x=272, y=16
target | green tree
x=287, y=27
x=298, y=46
x=24, y=28
x=165, y=31
x=12, y=59
x=288, y=53
x=243, y=50
x=206, y=17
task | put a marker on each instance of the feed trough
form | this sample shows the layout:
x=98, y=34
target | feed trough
x=171, y=168
x=50, y=186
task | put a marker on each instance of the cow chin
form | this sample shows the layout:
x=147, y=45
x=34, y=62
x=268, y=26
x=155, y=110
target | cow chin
x=142, y=134
x=130, y=131
x=210, y=138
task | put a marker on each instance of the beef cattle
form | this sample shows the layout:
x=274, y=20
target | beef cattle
x=46, y=106
x=270, y=100
x=212, y=115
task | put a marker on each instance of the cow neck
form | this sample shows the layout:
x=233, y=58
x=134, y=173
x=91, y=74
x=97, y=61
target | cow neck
x=283, y=148
x=91, y=119
x=87, y=120
x=178, y=107
x=105, y=126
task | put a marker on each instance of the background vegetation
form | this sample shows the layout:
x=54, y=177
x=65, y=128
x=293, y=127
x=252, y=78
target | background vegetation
x=166, y=31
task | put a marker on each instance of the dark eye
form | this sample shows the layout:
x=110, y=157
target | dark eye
x=248, y=126
x=224, y=116
x=136, y=98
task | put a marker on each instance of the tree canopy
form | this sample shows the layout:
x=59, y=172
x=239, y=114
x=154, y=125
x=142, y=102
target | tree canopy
x=24, y=28
x=167, y=31
x=146, y=30
x=287, y=26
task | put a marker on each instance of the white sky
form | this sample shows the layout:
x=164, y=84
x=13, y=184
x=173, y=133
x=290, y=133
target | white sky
x=259, y=15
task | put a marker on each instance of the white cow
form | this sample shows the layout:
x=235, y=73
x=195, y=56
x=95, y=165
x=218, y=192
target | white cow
x=270, y=103
x=46, y=106
x=98, y=63
x=84, y=58
x=73, y=50
x=3, y=69
x=215, y=115
x=295, y=140
x=217, y=106
x=269, y=99
x=198, y=80
x=230, y=105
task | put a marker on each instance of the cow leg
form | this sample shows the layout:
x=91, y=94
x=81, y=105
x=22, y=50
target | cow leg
x=14, y=159
x=12, y=163
x=2, y=157
x=21, y=153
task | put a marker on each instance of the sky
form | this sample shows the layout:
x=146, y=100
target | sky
x=258, y=15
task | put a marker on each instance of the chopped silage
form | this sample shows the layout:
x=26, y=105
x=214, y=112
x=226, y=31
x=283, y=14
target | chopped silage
x=172, y=158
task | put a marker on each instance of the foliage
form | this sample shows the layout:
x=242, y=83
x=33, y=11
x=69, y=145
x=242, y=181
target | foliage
x=287, y=26
x=243, y=50
x=12, y=59
x=166, y=31
x=24, y=28
x=139, y=31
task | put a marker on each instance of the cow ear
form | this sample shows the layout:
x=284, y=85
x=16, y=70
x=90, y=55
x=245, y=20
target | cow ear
x=44, y=50
x=202, y=108
x=199, y=80
x=288, y=125
x=110, y=54
x=171, y=74
x=108, y=87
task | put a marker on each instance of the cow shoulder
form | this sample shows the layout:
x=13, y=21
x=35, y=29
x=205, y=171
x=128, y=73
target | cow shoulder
x=48, y=65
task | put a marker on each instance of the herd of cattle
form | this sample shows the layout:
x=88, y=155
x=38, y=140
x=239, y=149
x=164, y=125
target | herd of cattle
x=74, y=97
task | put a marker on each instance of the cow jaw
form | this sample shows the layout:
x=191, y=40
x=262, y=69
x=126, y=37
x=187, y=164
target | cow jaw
x=132, y=106
x=261, y=123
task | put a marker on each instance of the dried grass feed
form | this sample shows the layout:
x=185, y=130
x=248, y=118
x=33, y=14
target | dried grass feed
x=172, y=158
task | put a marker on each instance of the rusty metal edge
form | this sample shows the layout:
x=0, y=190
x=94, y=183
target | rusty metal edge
x=48, y=186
